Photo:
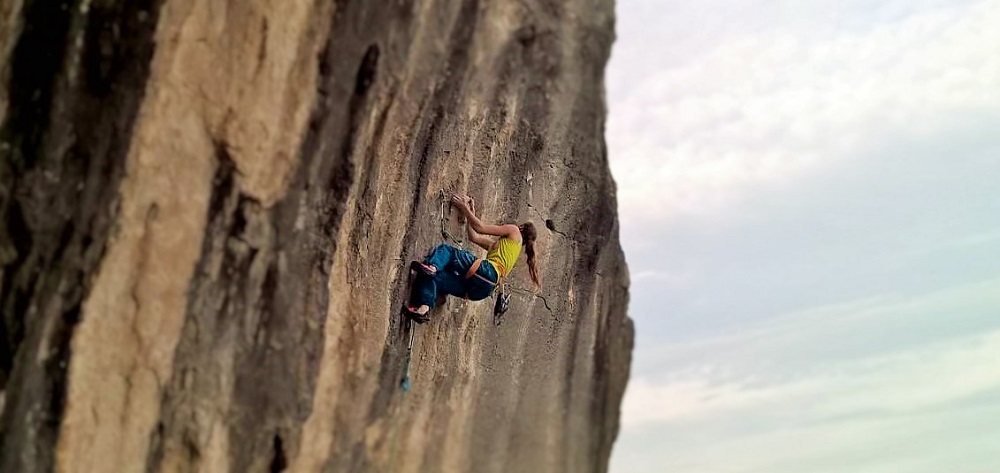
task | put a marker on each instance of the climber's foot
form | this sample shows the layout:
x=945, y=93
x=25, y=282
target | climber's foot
x=423, y=268
x=416, y=314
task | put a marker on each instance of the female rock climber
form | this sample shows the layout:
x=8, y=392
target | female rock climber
x=458, y=272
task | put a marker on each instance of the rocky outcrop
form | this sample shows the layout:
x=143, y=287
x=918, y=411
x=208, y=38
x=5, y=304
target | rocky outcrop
x=208, y=207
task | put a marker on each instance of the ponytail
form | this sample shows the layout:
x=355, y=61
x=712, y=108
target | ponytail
x=528, y=236
x=529, y=249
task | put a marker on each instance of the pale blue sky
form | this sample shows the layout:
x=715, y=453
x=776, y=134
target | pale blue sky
x=810, y=210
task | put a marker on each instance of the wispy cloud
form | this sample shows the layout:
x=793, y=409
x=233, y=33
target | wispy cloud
x=770, y=105
x=908, y=382
x=796, y=393
x=808, y=200
x=930, y=441
x=816, y=361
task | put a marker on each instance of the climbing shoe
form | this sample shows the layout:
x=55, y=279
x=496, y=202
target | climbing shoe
x=423, y=268
x=415, y=316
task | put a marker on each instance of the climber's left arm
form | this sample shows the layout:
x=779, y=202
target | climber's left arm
x=504, y=231
x=480, y=240
x=484, y=242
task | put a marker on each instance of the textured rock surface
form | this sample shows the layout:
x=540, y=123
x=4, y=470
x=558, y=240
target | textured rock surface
x=208, y=207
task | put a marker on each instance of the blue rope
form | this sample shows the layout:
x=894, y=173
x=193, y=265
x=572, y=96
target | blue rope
x=405, y=383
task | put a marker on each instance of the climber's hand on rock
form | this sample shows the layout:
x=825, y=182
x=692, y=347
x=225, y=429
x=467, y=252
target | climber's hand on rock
x=460, y=202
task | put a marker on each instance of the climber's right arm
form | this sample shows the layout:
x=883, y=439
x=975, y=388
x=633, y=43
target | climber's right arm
x=508, y=231
x=483, y=242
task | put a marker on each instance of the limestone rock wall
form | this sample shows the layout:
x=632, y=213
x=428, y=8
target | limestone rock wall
x=208, y=207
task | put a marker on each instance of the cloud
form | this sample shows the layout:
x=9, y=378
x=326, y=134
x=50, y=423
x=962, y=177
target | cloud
x=673, y=278
x=991, y=238
x=828, y=362
x=798, y=393
x=807, y=205
x=774, y=104
x=909, y=382
x=932, y=441
x=855, y=329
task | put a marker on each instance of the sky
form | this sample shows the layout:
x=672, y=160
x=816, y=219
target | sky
x=810, y=209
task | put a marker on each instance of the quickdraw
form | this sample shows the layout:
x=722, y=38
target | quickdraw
x=443, y=219
x=501, y=305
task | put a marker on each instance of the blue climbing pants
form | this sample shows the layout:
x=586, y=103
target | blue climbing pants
x=452, y=264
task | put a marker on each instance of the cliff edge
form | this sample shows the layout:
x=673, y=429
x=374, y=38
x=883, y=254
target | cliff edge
x=208, y=208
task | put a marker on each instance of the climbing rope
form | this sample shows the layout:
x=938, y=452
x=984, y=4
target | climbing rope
x=505, y=294
x=444, y=214
x=405, y=385
x=443, y=219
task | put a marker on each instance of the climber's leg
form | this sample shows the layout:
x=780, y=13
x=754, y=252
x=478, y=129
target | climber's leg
x=423, y=295
x=424, y=291
x=422, y=268
x=445, y=257
x=450, y=283
x=440, y=256
x=448, y=277
x=480, y=285
x=461, y=261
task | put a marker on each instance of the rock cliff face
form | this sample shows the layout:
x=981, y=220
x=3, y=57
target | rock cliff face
x=208, y=207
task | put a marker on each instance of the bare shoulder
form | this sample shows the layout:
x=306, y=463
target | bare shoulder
x=513, y=232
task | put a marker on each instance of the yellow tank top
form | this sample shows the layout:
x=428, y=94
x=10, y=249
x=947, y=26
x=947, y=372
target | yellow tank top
x=504, y=254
